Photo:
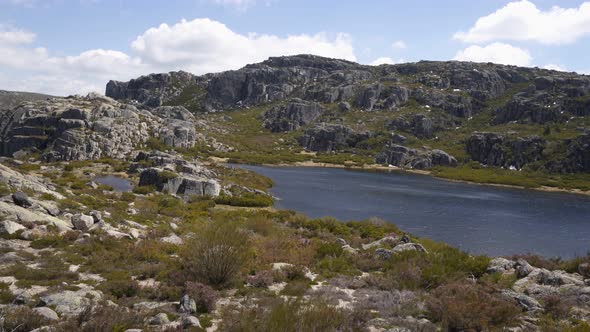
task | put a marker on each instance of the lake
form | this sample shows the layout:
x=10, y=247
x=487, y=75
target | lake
x=476, y=218
x=117, y=183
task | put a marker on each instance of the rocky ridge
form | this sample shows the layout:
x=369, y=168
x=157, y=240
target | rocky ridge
x=333, y=105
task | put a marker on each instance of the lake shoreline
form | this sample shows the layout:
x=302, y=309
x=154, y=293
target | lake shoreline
x=381, y=168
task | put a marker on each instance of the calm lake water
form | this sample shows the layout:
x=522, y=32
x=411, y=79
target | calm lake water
x=476, y=218
x=118, y=183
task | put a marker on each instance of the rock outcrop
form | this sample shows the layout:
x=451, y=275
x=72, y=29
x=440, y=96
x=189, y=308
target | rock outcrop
x=175, y=175
x=291, y=115
x=92, y=127
x=496, y=150
x=548, y=99
x=404, y=157
x=152, y=90
x=331, y=137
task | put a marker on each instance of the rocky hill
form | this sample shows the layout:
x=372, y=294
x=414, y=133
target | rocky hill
x=11, y=99
x=414, y=115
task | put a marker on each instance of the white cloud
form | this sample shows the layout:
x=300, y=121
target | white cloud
x=198, y=46
x=523, y=21
x=10, y=35
x=497, y=53
x=399, y=44
x=204, y=45
x=552, y=66
x=382, y=61
x=237, y=4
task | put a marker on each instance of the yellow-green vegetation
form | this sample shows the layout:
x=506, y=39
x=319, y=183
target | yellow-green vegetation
x=527, y=179
x=244, y=131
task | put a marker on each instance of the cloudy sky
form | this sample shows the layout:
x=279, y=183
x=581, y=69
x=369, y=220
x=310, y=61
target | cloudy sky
x=75, y=46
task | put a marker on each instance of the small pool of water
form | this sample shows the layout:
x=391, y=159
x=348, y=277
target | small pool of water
x=118, y=183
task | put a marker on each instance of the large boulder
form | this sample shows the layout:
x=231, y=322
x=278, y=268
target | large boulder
x=70, y=302
x=82, y=222
x=10, y=227
x=331, y=137
x=292, y=115
x=21, y=199
x=184, y=185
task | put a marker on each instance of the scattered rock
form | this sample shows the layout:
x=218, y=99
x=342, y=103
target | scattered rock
x=526, y=302
x=190, y=321
x=70, y=302
x=409, y=247
x=82, y=222
x=10, y=227
x=21, y=199
x=159, y=319
x=47, y=313
x=172, y=239
x=500, y=265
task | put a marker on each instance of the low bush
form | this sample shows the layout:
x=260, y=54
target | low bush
x=6, y=295
x=119, y=284
x=103, y=317
x=330, y=249
x=245, y=199
x=217, y=254
x=204, y=296
x=275, y=314
x=20, y=319
x=144, y=190
x=261, y=279
x=51, y=273
x=466, y=306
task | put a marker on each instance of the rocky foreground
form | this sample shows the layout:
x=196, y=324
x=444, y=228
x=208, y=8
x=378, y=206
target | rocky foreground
x=81, y=256
x=115, y=216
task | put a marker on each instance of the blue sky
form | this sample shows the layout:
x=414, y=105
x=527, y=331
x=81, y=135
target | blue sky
x=75, y=46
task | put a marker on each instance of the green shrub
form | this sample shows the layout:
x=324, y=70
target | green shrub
x=6, y=295
x=166, y=176
x=329, y=249
x=53, y=272
x=217, y=254
x=245, y=199
x=275, y=314
x=144, y=190
x=120, y=284
x=104, y=317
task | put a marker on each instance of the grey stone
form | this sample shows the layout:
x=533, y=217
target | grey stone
x=409, y=247
x=292, y=115
x=47, y=313
x=187, y=305
x=82, y=222
x=401, y=156
x=159, y=319
x=500, y=265
x=190, y=321
x=526, y=302
x=10, y=227
x=21, y=199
